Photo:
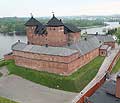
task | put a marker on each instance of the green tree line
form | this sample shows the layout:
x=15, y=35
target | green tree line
x=10, y=24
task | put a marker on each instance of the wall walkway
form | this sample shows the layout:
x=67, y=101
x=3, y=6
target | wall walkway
x=99, y=79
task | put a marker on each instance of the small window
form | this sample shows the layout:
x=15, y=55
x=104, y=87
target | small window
x=60, y=28
x=32, y=27
x=102, y=52
x=54, y=29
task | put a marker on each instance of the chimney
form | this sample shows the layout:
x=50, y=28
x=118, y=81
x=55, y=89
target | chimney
x=118, y=86
x=18, y=41
x=60, y=20
x=68, y=44
x=85, y=39
x=46, y=45
x=96, y=33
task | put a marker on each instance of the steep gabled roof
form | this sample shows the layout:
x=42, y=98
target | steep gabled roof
x=54, y=22
x=32, y=22
x=40, y=29
x=70, y=28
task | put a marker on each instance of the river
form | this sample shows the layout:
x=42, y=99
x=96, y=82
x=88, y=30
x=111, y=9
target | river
x=6, y=41
x=100, y=29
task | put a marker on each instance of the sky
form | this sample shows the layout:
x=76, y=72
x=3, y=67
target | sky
x=40, y=8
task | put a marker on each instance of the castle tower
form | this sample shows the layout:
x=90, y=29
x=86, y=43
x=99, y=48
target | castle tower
x=54, y=33
x=31, y=25
x=55, y=30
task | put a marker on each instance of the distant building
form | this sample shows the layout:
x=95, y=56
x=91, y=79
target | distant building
x=58, y=47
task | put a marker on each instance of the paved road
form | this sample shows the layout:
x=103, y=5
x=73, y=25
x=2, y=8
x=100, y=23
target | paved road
x=24, y=91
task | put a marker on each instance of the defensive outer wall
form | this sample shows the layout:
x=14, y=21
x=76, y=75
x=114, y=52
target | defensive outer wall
x=99, y=79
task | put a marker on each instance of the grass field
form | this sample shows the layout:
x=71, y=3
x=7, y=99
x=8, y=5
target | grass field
x=116, y=68
x=0, y=74
x=3, y=62
x=74, y=83
x=4, y=100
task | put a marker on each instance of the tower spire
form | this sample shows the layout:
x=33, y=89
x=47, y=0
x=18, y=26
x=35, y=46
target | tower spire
x=53, y=14
x=31, y=15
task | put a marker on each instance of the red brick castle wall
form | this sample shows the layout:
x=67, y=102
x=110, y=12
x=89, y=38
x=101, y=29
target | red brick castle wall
x=55, y=64
x=55, y=36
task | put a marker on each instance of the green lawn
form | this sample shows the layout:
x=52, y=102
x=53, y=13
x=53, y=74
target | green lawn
x=3, y=62
x=4, y=100
x=0, y=74
x=74, y=83
x=116, y=68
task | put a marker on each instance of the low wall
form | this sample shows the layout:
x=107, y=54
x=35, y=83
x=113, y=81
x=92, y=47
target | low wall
x=98, y=83
x=9, y=56
x=92, y=90
x=114, y=62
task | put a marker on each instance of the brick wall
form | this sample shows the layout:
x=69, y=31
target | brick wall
x=91, y=91
x=55, y=36
x=40, y=65
x=99, y=83
x=55, y=64
x=74, y=37
x=118, y=87
x=35, y=38
x=41, y=62
x=82, y=60
x=53, y=58
x=9, y=56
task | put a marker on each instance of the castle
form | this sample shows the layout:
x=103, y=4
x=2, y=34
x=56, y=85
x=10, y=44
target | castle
x=58, y=47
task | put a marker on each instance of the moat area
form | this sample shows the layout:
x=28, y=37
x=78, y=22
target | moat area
x=6, y=41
